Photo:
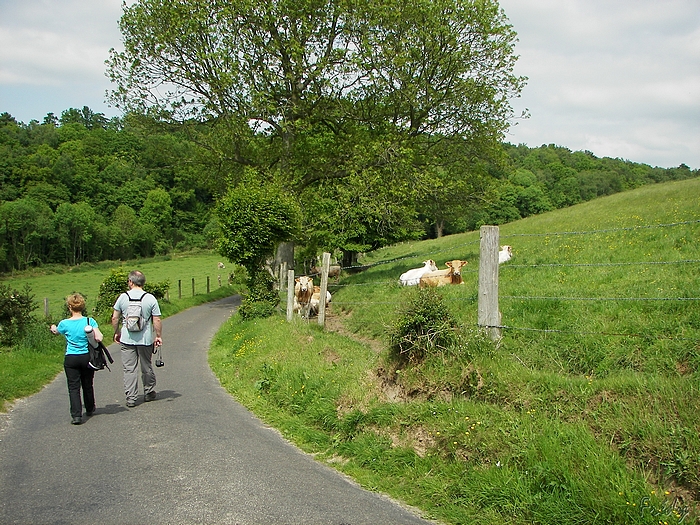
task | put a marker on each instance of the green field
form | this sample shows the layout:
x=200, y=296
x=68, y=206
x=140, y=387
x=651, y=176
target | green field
x=586, y=411
x=179, y=269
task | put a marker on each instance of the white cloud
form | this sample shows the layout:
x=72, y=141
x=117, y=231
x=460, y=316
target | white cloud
x=43, y=41
x=621, y=78
x=48, y=58
x=52, y=53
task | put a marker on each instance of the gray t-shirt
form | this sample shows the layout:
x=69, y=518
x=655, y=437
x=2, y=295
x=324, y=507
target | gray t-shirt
x=149, y=308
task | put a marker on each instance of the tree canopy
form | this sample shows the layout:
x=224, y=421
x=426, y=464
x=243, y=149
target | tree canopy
x=422, y=67
x=326, y=97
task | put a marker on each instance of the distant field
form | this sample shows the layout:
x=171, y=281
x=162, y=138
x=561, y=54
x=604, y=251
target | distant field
x=87, y=278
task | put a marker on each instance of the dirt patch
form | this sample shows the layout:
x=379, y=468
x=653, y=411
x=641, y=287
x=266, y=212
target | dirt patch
x=387, y=383
x=330, y=356
x=418, y=439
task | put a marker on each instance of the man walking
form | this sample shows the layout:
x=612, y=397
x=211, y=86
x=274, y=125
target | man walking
x=140, y=334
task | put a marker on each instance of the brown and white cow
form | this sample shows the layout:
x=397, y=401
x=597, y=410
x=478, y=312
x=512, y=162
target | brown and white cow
x=333, y=271
x=303, y=290
x=453, y=275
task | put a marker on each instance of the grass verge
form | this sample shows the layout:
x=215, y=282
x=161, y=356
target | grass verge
x=585, y=412
x=527, y=447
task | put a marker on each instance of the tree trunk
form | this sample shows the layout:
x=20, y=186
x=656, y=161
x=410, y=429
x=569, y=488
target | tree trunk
x=439, y=228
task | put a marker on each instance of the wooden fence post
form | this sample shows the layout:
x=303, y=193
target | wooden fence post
x=207, y=284
x=324, y=288
x=219, y=281
x=46, y=306
x=179, y=288
x=192, y=286
x=488, y=315
x=290, y=295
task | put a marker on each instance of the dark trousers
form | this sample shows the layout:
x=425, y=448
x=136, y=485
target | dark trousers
x=79, y=375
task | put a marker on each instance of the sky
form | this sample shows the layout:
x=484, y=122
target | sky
x=619, y=78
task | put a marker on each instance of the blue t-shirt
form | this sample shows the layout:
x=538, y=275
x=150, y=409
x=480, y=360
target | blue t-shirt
x=76, y=338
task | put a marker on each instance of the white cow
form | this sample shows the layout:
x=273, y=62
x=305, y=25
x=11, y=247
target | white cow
x=412, y=277
x=505, y=254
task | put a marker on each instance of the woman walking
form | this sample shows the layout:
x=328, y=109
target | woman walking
x=78, y=373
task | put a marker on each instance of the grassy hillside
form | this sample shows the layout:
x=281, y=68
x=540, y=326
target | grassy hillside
x=586, y=411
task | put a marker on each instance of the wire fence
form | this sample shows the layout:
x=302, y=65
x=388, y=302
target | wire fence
x=510, y=267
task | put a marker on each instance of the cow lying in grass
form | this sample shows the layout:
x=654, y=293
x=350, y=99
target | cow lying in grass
x=333, y=271
x=453, y=275
x=505, y=254
x=412, y=277
x=314, y=305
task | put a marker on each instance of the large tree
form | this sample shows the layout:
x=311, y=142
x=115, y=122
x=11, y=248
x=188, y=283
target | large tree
x=316, y=91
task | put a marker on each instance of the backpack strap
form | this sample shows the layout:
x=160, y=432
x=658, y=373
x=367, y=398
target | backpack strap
x=139, y=299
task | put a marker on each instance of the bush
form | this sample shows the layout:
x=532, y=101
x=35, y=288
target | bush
x=15, y=313
x=261, y=299
x=423, y=326
x=38, y=339
x=114, y=285
x=159, y=290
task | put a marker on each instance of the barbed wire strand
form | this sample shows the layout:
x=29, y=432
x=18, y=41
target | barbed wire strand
x=608, y=230
x=528, y=297
x=635, y=263
x=405, y=258
x=573, y=332
x=546, y=265
x=537, y=298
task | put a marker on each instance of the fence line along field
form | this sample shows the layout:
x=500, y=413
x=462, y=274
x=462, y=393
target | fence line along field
x=86, y=279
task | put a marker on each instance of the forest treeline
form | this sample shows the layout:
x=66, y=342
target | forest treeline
x=83, y=188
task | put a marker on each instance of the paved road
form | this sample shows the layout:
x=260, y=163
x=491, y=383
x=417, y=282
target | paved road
x=193, y=456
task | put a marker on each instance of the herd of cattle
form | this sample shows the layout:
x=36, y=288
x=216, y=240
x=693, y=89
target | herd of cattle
x=429, y=275
x=307, y=296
